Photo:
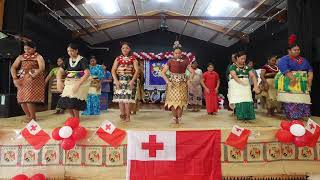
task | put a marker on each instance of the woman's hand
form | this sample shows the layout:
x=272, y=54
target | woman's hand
x=266, y=86
x=117, y=83
x=131, y=83
x=60, y=86
x=293, y=81
x=309, y=85
x=256, y=90
x=207, y=90
x=17, y=83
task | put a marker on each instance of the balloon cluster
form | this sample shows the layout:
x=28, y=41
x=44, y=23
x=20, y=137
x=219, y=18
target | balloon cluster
x=24, y=177
x=293, y=132
x=69, y=134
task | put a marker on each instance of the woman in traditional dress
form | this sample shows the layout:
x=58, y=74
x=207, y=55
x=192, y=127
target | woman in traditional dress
x=239, y=91
x=293, y=83
x=76, y=84
x=268, y=72
x=124, y=73
x=177, y=86
x=105, y=88
x=93, y=99
x=29, y=80
x=53, y=75
x=195, y=90
x=211, y=82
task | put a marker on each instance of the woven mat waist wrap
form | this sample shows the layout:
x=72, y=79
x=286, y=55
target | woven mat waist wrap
x=238, y=93
x=176, y=77
x=282, y=82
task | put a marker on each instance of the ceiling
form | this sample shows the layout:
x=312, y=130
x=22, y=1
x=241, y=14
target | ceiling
x=133, y=17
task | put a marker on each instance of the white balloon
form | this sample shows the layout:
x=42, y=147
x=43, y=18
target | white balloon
x=65, y=132
x=297, y=130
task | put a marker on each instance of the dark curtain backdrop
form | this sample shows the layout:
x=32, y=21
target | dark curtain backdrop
x=300, y=24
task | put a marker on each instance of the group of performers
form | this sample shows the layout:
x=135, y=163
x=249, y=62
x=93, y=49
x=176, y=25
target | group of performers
x=85, y=84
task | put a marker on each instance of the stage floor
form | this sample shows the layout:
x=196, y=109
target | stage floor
x=269, y=161
x=152, y=119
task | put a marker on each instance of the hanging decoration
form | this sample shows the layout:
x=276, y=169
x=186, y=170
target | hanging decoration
x=161, y=56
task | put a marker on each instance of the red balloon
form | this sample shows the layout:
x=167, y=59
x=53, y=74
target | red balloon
x=284, y=136
x=79, y=133
x=285, y=125
x=55, y=134
x=38, y=177
x=72, y=122
x=301, y=141
x=20, y=177
x=68, y=144
x=298, y=122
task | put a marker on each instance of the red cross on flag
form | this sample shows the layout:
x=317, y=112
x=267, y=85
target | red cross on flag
x=313, y=131
x=194, y=155
x=109, y=133
x=34, y=135
x=238, y=137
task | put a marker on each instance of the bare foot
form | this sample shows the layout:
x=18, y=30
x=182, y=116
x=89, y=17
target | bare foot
x=26, y=120
x=122, y=117
x=173, y=120
x=127, y=119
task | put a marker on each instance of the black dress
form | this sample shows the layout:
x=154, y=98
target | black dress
x=74, y=71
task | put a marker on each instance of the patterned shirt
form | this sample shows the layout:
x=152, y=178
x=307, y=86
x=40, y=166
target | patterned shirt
x=287, y=64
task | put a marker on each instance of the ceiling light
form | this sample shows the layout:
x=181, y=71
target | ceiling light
x=108, y=6
x=216, y=7
x=163, y=1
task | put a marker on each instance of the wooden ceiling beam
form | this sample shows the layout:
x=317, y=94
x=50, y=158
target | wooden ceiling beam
x=205, y=24
x=112, y=24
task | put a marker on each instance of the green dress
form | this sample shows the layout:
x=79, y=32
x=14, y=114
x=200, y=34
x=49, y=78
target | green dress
x=243, y=110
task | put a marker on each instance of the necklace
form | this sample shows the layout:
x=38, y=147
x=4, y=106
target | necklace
x=179, y=60
x=125, y=59
x=276, y=68
x=29, y=56
x=74, y=62
x=241, y=68
x=297, y=59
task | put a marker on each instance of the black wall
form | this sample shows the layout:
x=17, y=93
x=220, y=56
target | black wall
x=271, y=39
x=50, y=35
x=159, y=41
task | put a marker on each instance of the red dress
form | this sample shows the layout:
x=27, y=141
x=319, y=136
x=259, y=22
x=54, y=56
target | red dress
x=211, y=80
x=32, y=89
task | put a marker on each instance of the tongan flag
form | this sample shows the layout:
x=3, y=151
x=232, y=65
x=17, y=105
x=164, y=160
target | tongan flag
x=238, y=137
x=313, y=131
x=174, y=155
x=110, y=133
x=34, y=135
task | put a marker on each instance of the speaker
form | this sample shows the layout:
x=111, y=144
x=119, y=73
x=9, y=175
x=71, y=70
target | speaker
x=6, y=83
x=10, y=48
x=9, y=106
